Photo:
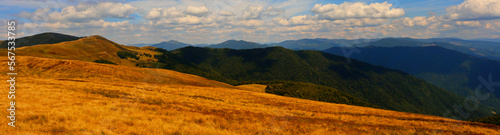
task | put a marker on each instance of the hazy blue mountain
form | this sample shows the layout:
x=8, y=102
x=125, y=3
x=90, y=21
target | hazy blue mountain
x=42, y=38
x=448, y=69
x=237, y=44
x=448, y=43
x=306, y=44
x=140, y=45
x=472, y=44
x=488, y=39
x=170, y=45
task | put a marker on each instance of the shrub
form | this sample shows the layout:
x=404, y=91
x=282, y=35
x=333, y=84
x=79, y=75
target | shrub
x=104, y=61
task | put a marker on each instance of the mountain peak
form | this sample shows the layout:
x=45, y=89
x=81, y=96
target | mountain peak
x=237, y=44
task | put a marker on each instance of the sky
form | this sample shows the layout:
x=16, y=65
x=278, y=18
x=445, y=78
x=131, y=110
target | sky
x=262, y=21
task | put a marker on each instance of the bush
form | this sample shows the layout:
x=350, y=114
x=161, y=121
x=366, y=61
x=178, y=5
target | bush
x=104, y=61
x=127, y=54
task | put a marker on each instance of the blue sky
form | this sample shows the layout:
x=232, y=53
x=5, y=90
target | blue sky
x=214, y=21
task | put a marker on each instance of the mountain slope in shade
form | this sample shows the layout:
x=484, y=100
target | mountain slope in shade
x=237, y=44
x=380, y=86
x=495, y=119
x=107, y=101
x=474, y=48
x=445, y=68
x=170, y=45
x=43, y=38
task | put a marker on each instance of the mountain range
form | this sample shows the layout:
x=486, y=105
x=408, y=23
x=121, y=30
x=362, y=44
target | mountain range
x=448, y=69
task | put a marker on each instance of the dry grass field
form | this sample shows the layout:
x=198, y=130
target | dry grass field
x=86, y=49
x=75, y=97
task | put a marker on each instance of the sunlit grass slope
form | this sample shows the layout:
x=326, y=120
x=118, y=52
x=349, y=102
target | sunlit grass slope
x=76, y=97
x=87, y=49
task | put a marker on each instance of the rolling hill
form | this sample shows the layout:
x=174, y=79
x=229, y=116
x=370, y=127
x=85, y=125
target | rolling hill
x=448, y=69
x=43, y=38
x=386, y=88
x=237, y=44
x=76, y=97
x=170, y=45
x=88, y=49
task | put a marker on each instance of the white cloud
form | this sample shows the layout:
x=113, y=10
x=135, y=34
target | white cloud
x=357, y=10
x=418, y=21
x=252, y=12
x=157, y=13
x=475, y=10
x=197, y=11
x=248, y=23
x=469, y=23
x=226, y=13
x=82, y=12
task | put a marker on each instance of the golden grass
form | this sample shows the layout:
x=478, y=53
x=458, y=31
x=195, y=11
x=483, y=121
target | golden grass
x=75, y=97
x=253, y=87
x=86, y=49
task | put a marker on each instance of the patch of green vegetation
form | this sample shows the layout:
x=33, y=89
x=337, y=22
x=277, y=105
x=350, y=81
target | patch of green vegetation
x=127, y=54
x=104, y=61
x=310, y=91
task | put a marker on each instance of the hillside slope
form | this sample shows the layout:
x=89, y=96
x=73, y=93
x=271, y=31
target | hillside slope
x=386, y=88
x=42, y=38
x=66, y=97
x=87, y=49
x=448, y=69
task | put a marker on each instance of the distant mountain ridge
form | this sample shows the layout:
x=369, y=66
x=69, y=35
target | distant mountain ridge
x=484, y=49
x=170, y=45
x=42, y=38
x=237, y=44
x=448, y=69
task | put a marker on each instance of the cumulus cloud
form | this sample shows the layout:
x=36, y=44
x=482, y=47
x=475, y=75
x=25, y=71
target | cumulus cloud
x=252, y=12
x=157, y=13
x=226, y=13
x=197, y=11
x=298, y=20
x=83, y=12
x=469, y=23
x=418, y=21
x=357, y=10
x=248, y=23
x=475, y=10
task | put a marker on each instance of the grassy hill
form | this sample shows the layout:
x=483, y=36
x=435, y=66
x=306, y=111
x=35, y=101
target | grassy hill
x=43, y=38
x=386, y=88
x=448, y=69
x=89, y=49
x=76, y=97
